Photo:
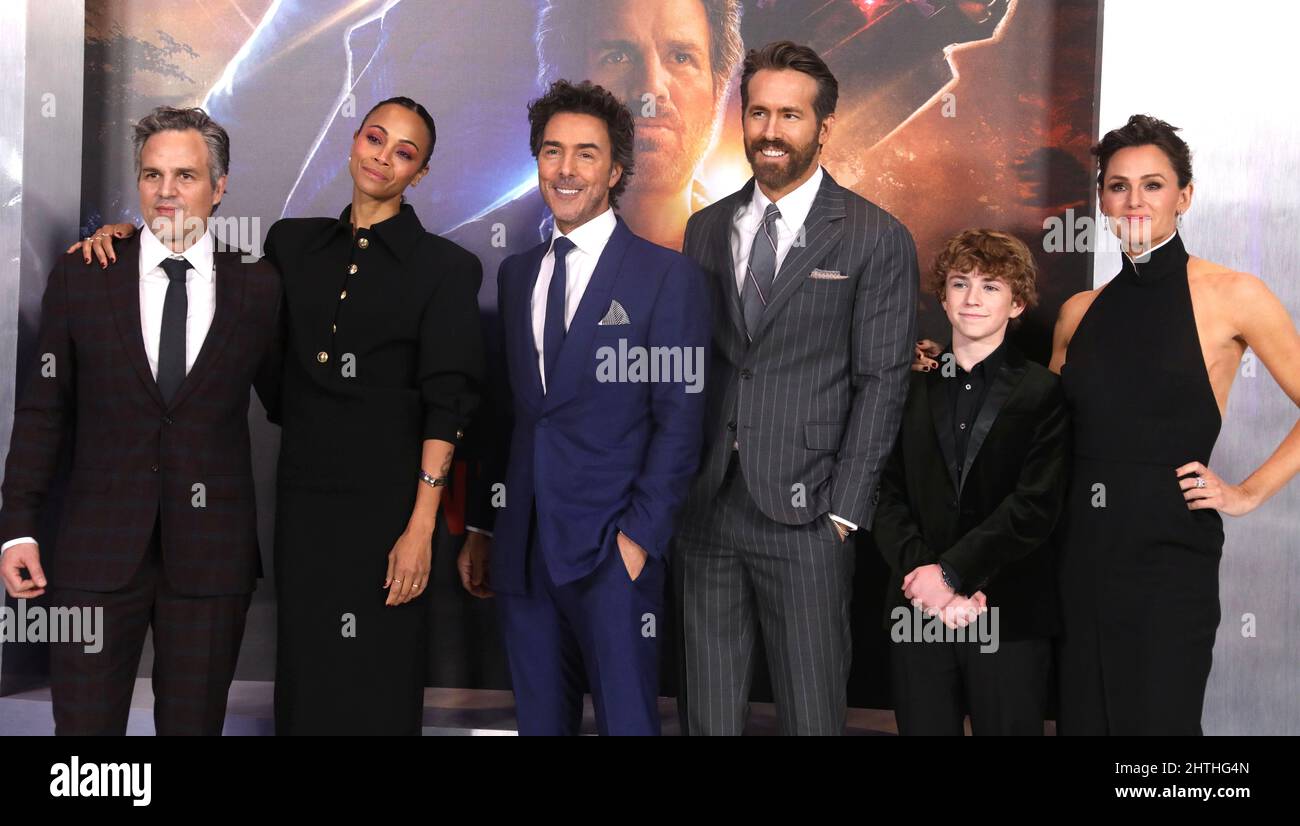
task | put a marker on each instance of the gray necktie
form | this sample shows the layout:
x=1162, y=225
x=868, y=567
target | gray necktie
x=171, y=341
x=760, y=271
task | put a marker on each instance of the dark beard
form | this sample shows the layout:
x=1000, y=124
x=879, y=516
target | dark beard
x=800, y=159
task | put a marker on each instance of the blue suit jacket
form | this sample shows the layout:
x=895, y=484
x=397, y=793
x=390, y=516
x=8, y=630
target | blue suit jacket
x=599, y=453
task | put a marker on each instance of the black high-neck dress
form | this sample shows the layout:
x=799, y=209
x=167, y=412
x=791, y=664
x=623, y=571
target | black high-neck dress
x=1139, y=571
x=383, y=352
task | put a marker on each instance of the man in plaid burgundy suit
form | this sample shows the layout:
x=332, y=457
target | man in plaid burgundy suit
x=145, y=366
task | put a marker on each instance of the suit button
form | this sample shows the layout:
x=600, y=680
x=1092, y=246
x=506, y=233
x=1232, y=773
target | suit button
x=322, y=356
x=952, y=503
x=460, y=434
x=746, y=374
x=343, y=295
x=168, y=420
x=731, y=425
x=363, y=242
x=153, y=469
x=352, y=269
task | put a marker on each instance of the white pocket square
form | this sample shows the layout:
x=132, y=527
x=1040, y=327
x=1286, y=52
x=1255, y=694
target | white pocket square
x=615, y=315
x=827, y=275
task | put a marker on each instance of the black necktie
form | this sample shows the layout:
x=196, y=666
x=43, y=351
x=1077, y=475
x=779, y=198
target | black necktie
x=171, y=340
x=553, y=332
x=760, y=271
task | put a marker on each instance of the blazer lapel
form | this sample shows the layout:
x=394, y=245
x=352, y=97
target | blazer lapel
x=124, y=300
x=1009, y=375
x=724, y=263
x=574, y=354
x=229, y=279
x=521, y=325
x=821, y=232
x=941, y=415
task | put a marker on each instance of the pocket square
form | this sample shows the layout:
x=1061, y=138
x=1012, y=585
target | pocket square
x=615, y=315
x=827, y=275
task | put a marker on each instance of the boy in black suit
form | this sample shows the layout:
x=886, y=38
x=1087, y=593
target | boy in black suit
x=968, y=501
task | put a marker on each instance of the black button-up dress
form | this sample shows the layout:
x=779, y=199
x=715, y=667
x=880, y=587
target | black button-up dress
x=384, y=351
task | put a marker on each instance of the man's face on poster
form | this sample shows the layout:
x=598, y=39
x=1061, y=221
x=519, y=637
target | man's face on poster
x=654, y=54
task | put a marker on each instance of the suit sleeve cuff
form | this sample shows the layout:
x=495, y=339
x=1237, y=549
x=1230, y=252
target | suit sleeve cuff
x=951, y=575
x=473, y=529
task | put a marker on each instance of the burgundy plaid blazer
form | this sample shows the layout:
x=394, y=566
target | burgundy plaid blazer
x=135, y=459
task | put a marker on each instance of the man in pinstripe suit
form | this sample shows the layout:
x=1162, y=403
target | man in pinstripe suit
x=815, y=295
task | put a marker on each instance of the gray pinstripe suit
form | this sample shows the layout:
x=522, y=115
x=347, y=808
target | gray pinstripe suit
x=813, y=403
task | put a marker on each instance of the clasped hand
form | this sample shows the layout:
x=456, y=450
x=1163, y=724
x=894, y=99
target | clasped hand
x=925, y=587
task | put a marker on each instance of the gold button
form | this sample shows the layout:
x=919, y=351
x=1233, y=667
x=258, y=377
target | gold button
x=343, y=295
x=322, y=356
x=363, y=242
x=334, y=328
x=352, y=270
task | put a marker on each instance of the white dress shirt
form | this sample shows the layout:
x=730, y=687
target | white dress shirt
x=201, y=295
x=200, y=290
x=589, y=242
x=748, y=221
x=794, y=207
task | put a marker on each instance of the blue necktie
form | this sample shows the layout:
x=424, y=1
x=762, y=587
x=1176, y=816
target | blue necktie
x=171, y=338
x=553, y=332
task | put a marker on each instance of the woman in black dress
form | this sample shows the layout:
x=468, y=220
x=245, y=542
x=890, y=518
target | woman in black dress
x=381, y=377
x=1146, y=362
x=381, y=373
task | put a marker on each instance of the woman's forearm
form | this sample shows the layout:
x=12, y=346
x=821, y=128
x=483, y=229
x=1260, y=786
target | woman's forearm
x=435, y=459
x=1277, y=470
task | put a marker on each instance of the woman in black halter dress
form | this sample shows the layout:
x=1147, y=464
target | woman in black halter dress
x=1139, y=571
x=1143, y=534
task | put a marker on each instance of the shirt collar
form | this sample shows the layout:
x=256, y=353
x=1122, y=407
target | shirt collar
x=199, y=254
x=794, y=205
x=592, y=236
x=400, y=233
x=988, y=368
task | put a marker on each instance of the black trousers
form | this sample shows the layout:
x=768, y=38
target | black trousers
x=196, y=645
x=936, y=683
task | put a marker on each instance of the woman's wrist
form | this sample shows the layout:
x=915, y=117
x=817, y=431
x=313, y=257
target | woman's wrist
x=421, y=524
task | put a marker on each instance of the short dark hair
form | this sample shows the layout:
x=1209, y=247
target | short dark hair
x=169, y=118
x=1144, y=130
x=784, y=54
x=586, y=98
x=407, y=103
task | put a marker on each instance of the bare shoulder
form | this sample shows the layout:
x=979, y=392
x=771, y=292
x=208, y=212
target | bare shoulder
x=1075, y=307
x=1067, y=321
x=1239, y=294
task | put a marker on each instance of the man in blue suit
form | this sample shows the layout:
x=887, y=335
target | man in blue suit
x=606, y=338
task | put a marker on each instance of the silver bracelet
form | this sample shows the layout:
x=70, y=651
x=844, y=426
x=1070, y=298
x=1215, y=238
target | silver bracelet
x=432, y=481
